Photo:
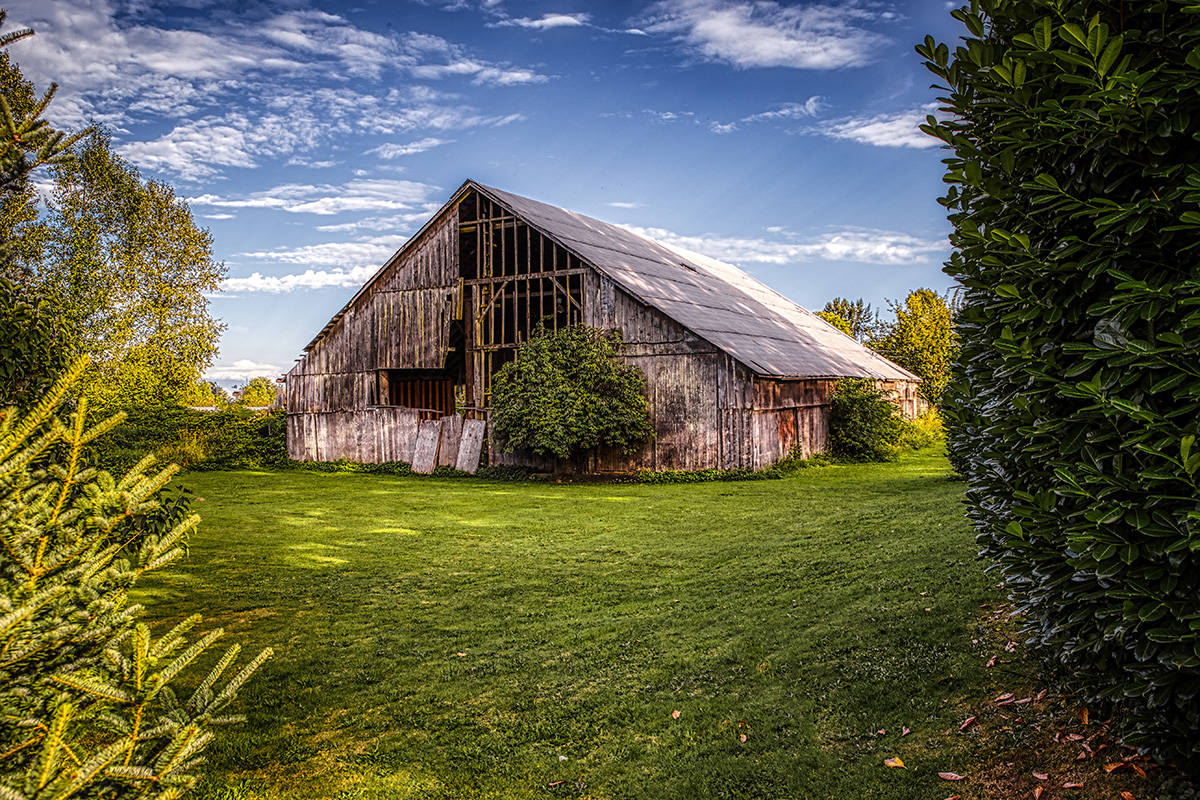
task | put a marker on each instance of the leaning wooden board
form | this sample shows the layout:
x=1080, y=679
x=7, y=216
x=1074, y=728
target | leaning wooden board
x=425, y=453
x=470, y=445
x=451, y=433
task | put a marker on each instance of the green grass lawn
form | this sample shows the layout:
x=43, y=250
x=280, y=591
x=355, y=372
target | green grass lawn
x=462, y=638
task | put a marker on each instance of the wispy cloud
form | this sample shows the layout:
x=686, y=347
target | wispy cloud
x=896, y=129
x=392, y=150
x=860, y=245
x=309, y=279
x=624, y=204
x=546, y=21
x=294, y=123
x=117, y=68
x=765, y=33
x=242, y=369
x=809, y=108
x=326, y=199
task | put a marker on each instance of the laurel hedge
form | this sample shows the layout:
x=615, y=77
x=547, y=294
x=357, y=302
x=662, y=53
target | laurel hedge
x=1074, y=193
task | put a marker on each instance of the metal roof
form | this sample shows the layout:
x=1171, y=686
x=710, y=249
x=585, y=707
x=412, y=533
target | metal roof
x=744, y=317
x=718, y=302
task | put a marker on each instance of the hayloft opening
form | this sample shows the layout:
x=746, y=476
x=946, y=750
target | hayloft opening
x=514, y=279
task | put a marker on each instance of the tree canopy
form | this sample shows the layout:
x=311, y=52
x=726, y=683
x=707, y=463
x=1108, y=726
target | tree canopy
x=129, y=271
x=922, y=340
x=862, y=320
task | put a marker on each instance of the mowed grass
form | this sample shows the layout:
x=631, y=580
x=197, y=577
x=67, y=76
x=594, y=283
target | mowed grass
x=464, y=638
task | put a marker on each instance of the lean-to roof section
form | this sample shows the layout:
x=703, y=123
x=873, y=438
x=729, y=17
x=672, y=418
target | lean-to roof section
x=761, y=328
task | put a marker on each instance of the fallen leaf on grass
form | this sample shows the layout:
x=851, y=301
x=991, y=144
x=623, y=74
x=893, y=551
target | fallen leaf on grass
x=966, y=724
x=894, y=762
x=1083, y=715
x=1005, y=696
x=1041, y=776
x=950, y=776
x=1074, y=737
x=675, y=714
x=1141, y=772
x=991, y=662
x=1115, y=765
x=742, y=738
x=881, y=732
x=555, y=783
x=1037, y=792
x=1127, y=796
x=1041, y=695
x=1023, y=701
x=461, y=655
x=954, y=797
x=904, y=731
x=1069, y=785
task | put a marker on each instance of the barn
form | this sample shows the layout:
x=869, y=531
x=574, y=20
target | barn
x=737, y=375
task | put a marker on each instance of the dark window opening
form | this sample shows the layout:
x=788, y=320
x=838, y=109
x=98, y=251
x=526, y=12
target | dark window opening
x=430, y=393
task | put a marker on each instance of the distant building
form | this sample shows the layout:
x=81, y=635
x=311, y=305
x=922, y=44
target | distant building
x=737, y=375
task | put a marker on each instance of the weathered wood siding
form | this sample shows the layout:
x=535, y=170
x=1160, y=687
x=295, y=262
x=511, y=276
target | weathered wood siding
x=367, y=435
x=403, y=323
x=790, y=416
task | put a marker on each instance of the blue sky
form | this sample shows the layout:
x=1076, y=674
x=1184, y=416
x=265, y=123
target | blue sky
x=313, y=137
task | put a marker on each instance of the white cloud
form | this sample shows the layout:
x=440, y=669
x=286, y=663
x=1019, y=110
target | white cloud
x=241, y=369
x=116, y=67
x=897, y=129
x=356, y=195
x=218, y=216
x=861, y=245
x=293, y=123
x=764, y=33
x=809, y=108
x=479, y=72
x=548, y=21
x=624, y=204
x=309, y=279
x=722, y=127
x=392, y=150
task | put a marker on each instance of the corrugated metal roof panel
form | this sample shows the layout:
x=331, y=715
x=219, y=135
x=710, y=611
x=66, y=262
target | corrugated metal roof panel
x=717, y=301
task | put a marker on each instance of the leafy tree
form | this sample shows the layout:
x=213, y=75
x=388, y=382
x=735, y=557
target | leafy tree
x=258, y=392
x=87, y=690
x=863, y=320
x=837, y=321
x=1074, y=192
x=129, y=269
x=922, y=340
x=567, y=392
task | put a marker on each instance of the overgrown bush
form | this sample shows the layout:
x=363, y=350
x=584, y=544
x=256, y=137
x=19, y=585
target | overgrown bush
x=232, y=438
x=1074, y=192
x=864, y=424
x=87, y=691
x=567, y=392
